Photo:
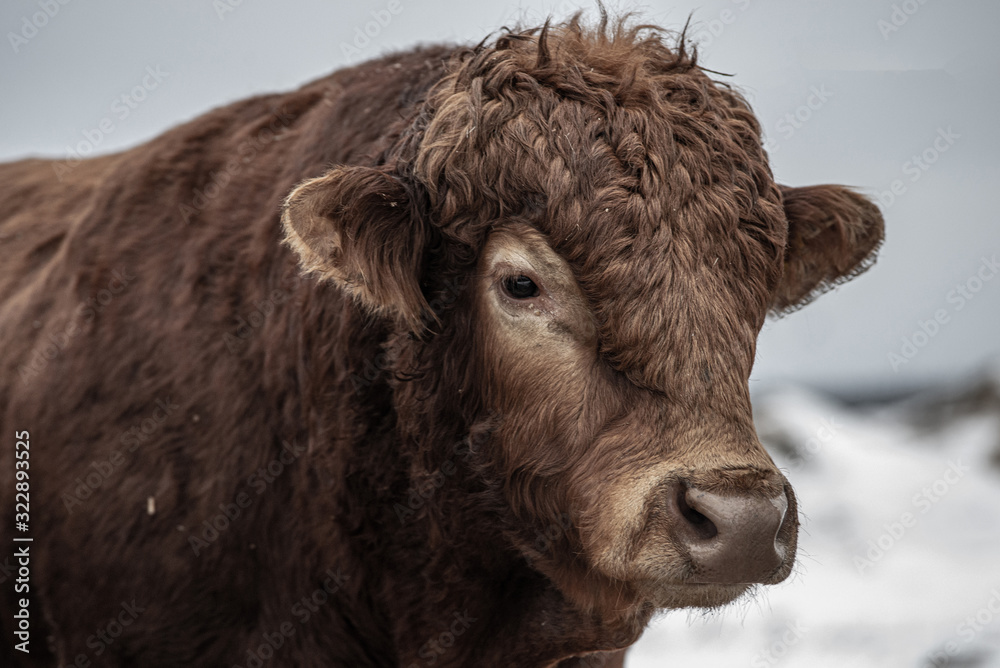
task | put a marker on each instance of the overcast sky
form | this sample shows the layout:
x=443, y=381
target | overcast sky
x=872, y=93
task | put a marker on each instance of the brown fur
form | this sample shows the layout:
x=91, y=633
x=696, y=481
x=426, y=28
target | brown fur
x=601, y=159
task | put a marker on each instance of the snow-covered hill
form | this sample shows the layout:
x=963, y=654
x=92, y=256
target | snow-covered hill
x=899, y=557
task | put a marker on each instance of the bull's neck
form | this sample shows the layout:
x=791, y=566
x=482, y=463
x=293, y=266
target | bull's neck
x=446, y=584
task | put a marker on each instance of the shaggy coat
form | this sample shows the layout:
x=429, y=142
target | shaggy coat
x=331, y=437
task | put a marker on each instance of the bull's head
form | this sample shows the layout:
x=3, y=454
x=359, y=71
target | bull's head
x=612, y=212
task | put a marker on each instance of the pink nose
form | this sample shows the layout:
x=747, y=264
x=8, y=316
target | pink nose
x=731, y=539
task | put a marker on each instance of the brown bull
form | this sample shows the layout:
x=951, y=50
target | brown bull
x=500, y=419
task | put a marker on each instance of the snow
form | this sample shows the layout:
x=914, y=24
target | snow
x=899, y=545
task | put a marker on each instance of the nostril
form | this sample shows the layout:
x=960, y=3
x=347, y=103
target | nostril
x=703, y=527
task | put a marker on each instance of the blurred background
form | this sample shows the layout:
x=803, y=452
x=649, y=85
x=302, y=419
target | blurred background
x=881, y=400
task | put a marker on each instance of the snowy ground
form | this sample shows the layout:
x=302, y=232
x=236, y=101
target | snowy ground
x=899, y=549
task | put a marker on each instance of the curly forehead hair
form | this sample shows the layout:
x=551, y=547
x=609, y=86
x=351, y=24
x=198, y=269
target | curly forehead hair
x=527, y=96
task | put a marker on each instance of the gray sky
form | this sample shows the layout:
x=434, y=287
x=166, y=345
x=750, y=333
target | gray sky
x=900, y=91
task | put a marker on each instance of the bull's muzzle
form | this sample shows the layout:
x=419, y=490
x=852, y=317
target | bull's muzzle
x=731, y=538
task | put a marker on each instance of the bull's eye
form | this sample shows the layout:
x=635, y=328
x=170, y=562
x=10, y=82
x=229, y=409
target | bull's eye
x=520, y=287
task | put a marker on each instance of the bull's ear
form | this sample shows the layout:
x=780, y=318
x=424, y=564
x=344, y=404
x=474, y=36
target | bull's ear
x=356, y=227
x=833, y=235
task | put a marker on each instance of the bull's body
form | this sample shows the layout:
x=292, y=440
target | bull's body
x=230, y=461
x=213, y=342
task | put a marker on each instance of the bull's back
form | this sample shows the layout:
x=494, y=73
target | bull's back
x=37, y=210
